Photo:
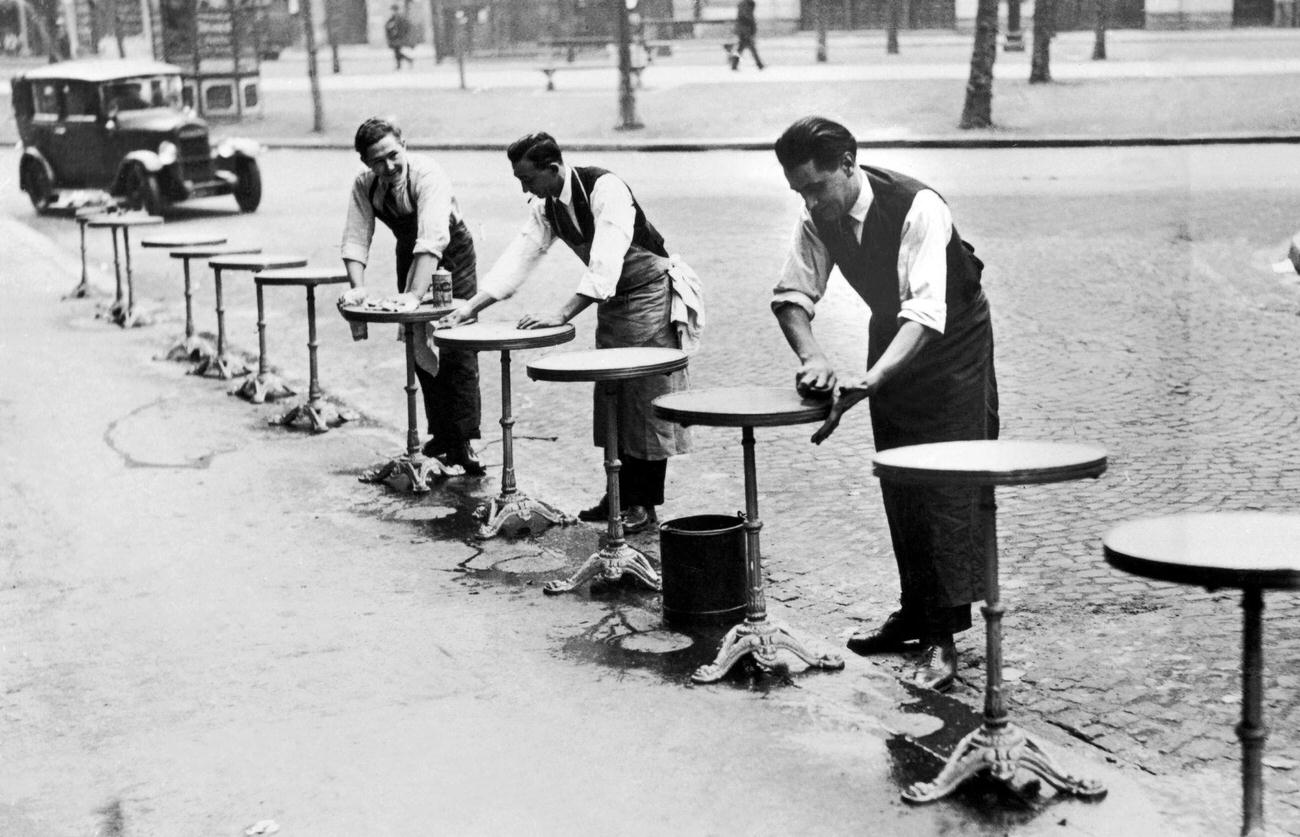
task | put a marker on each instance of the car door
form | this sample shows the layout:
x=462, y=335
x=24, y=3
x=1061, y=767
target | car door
x=82, y=136
x=46, y=129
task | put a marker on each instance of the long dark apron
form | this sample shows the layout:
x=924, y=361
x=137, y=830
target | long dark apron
x=451, y=397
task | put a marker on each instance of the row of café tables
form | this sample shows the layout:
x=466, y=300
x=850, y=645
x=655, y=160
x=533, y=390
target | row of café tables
x=1250, y=551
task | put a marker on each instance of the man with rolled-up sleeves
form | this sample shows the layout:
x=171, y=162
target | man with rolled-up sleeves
x=929, y=377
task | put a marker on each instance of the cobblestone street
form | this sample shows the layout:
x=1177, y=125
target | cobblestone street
x=1133, y=307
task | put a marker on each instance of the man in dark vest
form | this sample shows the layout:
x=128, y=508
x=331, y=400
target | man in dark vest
x=643, y=297
x=412, y=196
x=929, y=373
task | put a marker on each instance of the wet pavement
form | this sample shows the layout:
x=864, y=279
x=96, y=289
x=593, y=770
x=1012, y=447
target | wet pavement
x=287, y=638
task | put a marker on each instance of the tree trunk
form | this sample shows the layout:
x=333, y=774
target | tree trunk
x=309, y=30
x=1040, y=65
x=820, y=7
x=1099, y=31
x=978, y=112
x=117, y=30
x=627, y=120
x=895, y=12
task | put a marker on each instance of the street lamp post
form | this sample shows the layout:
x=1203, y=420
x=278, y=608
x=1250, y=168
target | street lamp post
x=1015, y=38
x=626, y=97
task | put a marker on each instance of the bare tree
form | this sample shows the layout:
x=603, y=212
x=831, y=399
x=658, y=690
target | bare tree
x=309, y=30
x=891, y=40
x=1040, y=69
x=1099, y=30
x=627, y=120
x=978, y=112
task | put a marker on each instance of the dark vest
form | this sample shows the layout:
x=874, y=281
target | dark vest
x=644, y=235
x=871, y=264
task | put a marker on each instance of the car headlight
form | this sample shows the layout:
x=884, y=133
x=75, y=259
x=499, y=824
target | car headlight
x=225, y=148
x=168, y=153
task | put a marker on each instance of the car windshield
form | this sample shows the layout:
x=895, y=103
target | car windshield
x=142, y=93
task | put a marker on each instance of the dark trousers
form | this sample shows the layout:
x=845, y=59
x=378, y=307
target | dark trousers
x=641, y=481
x=746, y=42
x=452, y=405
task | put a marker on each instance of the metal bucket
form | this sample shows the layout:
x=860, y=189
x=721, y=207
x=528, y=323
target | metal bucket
x=702, y=560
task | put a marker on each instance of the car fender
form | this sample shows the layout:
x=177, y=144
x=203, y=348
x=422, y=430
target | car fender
x=36, y=158
x=149, y=159
x=232, y=147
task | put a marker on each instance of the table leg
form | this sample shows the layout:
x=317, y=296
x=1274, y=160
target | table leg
x=220, y=365
x=128, y=320
x=265, y=385
x=513, y=512
x=193, y=348
x=317, y=414
x=412, y=471
x=756, y=637
x=83, y=287
x=116, y=311
x=616, y=558
x=998, y=746
x=1251, y=731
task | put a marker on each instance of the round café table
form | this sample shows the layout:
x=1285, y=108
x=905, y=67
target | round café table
x=199, y=349
x=122, y=311
x=317, y=414
x=83, y=215
x=411, y=471
x=511, y=512
x=264, y=386
x=998, y=746
x=1250, y=551
x=748, y=407
x=607, y=367
x=189, y=347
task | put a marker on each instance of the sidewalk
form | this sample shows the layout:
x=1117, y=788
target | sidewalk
x=1155, y=87
x=208, y=623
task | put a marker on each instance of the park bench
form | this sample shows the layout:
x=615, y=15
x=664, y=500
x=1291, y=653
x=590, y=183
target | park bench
x=570, y=46
x=552, y=69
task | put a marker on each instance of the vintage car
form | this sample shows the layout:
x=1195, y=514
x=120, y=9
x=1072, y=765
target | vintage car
x=119, y=126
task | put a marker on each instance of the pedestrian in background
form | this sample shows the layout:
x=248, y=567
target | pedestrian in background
x=643, y=297
x=929, y=376
x=397, y=29
x=412, y=196
x=746, y=31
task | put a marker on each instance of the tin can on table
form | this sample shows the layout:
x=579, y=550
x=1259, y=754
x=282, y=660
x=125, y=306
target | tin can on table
x=440, y=291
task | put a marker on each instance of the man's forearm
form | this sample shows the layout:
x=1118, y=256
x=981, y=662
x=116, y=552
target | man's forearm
x=797, y=328
x=911, y=338
x=356, y=272
x=420, y=275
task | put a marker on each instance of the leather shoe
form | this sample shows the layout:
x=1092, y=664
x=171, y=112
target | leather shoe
x=464, y=456
x=638, y=519
x=937, y=668
x=597, y=513
x=892, y=635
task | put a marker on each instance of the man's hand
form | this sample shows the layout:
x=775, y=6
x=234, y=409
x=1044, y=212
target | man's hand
x=815, y=379
x=353, y=296
x=845, y=399
x=404, y=302
x=541, y=320
x=455, y=317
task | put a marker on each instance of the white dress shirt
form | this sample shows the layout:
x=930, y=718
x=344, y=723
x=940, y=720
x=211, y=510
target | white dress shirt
x=611, y=205
x=922, y=259
x=434, y=200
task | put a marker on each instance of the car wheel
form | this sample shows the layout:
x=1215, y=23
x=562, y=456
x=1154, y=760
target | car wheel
x=142, y=191
x=39, y=188
x=248, y=191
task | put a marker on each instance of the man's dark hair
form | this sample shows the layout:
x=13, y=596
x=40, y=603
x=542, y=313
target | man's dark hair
x=372, y=131
x=818, y=139
x=540, y=149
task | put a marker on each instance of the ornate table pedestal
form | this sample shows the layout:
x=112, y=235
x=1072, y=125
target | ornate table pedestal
x=83, y=216
x=122, y=310
x=606, y=367
x=511, y=512
x=748, y=407
x=411, y=471
x=190, y=347
x=998, y=747
x=265, y=385
x=316, y=414
x=1252, y=551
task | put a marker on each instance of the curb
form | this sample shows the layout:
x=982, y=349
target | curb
x=740, y=144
